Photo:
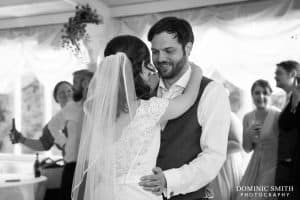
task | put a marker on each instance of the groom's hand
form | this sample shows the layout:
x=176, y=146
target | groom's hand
x=155, y=183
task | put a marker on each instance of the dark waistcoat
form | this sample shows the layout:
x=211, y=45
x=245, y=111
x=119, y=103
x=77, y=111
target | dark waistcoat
x=180, y=142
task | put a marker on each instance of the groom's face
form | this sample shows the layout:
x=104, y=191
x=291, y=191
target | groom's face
x=168, y=55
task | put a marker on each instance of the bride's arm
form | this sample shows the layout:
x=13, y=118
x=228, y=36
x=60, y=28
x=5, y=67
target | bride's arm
x=182, y=103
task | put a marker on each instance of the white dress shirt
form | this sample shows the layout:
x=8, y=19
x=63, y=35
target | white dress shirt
x=214, y=117
x=71, y=117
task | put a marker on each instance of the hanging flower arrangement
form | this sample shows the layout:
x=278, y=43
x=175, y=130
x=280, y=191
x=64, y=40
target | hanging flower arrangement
x=75, y=30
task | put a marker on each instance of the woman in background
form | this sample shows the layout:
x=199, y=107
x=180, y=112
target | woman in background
x=62, y=94
x=260, y=135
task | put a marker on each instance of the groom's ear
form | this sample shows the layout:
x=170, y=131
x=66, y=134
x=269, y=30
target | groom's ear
x=293, y=74
x=188, y=48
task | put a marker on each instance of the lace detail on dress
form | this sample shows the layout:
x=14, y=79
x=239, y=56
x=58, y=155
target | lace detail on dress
x=138, y=134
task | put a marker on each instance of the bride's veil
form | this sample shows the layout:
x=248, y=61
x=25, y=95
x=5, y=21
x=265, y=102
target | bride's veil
x=111, y=94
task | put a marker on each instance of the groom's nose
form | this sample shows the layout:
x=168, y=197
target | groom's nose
x=162, y=57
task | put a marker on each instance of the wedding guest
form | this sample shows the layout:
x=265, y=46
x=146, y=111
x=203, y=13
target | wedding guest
x=260, y=134
x=285, y=76
x=288, y=165
x=64, y=129
x=62, y=94
x=70, y=118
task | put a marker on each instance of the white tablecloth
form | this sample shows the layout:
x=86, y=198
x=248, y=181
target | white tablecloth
x=27, y=188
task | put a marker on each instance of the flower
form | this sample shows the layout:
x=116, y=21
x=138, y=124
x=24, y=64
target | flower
x=74, y=31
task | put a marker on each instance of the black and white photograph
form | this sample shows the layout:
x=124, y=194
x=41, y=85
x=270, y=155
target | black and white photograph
x=150, y=100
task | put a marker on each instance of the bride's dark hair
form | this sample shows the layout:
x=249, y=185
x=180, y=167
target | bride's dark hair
x=137, y=52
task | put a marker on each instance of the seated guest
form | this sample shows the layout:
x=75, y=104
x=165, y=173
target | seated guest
x=260, y=134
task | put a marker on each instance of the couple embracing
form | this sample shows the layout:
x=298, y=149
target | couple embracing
x=151, y=138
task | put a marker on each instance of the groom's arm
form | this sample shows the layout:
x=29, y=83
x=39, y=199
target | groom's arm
x=214, y=117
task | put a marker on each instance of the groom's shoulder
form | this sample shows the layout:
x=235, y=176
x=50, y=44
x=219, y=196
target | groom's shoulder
x=211, y=86
x=204, y=82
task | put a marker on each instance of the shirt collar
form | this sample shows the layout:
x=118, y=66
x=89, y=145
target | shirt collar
x=182, y=82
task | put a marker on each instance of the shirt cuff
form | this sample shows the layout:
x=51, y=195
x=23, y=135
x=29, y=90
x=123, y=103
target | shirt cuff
x=173, y=183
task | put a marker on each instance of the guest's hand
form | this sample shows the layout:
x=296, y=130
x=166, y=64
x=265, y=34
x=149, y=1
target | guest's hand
x=254, y=132
x=155, y=183
x=255, y=139
x=16, y=137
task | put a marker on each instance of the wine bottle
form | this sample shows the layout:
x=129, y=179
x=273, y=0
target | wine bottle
x=36, y=166
x=12, y=134
x=13, y=126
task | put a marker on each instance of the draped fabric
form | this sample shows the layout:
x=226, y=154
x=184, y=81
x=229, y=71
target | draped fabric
x=37, y=50
x=238, y=42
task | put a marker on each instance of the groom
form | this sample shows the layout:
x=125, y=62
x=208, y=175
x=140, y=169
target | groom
x=193, y=146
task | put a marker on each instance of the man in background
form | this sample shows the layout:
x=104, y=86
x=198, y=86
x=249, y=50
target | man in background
x=71, y=117
x=288, y=139
x=64, y=130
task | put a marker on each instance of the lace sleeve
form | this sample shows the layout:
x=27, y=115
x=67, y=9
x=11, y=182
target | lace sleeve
x=154, y=108
x=136, y=137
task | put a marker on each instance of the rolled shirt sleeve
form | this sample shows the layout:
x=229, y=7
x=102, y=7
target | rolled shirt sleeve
x=214, y=118
x=47, y=139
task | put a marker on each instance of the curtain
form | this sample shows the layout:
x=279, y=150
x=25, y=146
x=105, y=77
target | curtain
x=239, y=43
x=37, y=50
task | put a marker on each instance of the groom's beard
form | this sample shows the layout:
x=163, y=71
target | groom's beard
x=176, y=68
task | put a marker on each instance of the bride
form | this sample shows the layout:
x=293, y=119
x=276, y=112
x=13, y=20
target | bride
x=121, y=130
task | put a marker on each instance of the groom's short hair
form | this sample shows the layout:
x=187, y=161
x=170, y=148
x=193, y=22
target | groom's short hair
x=181, y=29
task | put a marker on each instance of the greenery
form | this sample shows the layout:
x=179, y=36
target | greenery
x=74, y=30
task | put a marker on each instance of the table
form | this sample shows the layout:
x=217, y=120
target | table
x=26, y=188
